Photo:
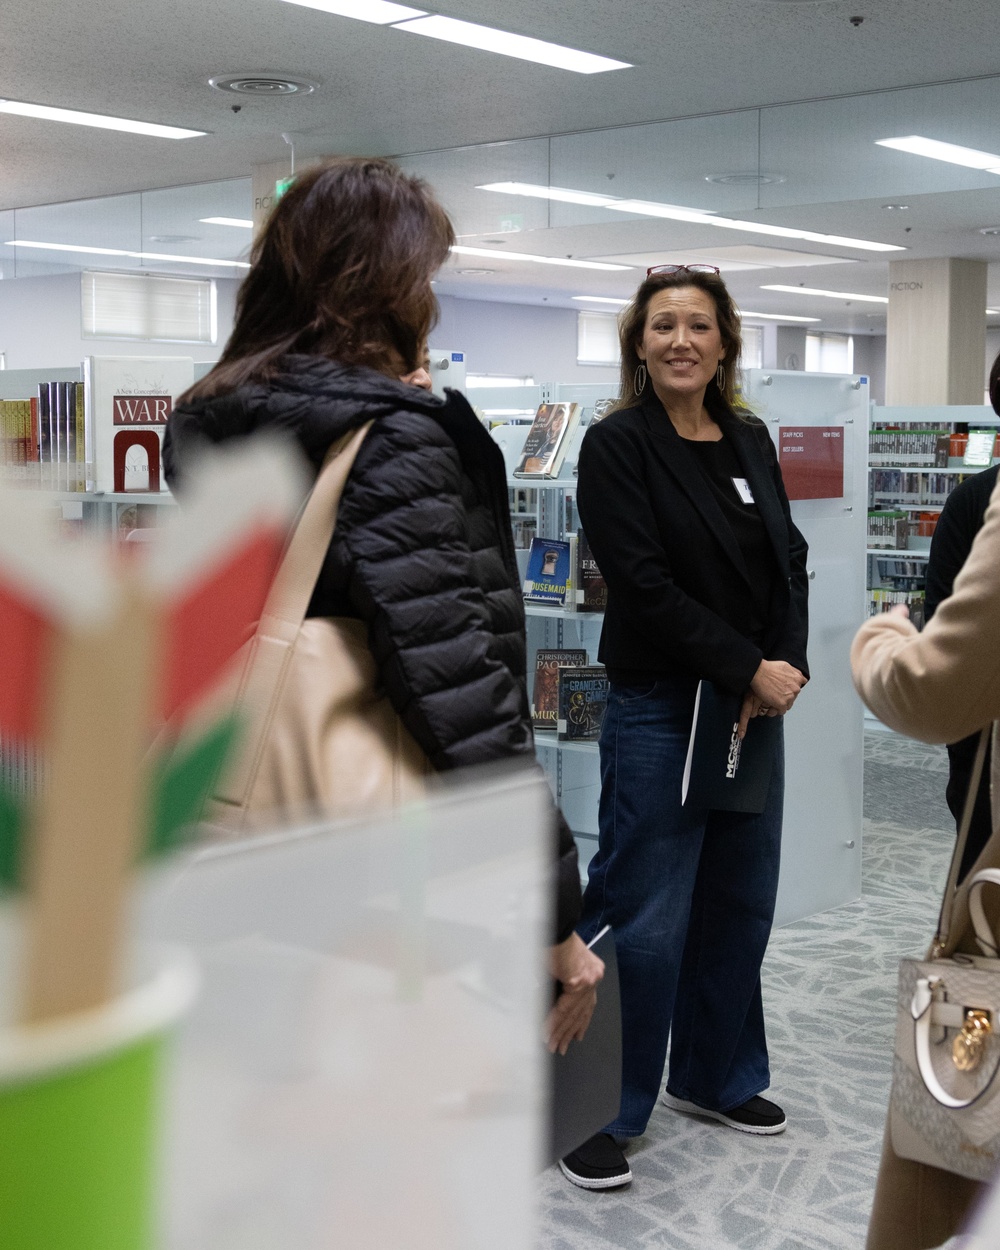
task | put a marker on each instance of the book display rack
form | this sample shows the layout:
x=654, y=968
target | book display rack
x=916, y=458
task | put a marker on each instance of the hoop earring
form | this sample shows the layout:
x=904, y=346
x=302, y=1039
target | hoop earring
x=639, y=381
x=720, y=378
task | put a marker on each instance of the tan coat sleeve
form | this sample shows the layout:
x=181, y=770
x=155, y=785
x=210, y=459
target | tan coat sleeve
x=944, y=683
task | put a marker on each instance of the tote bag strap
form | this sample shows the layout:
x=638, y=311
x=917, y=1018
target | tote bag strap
x=948, y=902
x=288, y=600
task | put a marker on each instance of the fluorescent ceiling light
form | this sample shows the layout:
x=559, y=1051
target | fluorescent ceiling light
x=676, y=212
x=523, y=47
x=563, y=194
x=227, y=221
x=494, y=254
x=117, y=251
x=601, y=299
x=814, y=290
x=50, y=114
x=953, y=153
x=381, y=12
x=990, y=312
x=744, y=314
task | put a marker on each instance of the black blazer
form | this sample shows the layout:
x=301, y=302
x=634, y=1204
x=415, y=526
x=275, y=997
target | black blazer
x=678, y=588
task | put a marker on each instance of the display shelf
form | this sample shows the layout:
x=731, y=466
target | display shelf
x=546, y=739
x=966, y=469
x=561, y=614
x=905, y=552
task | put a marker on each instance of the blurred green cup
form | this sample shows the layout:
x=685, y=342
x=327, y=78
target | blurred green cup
x=80, y=1102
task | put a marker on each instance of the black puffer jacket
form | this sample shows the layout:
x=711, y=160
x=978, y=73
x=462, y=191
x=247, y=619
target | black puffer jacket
x=422, y=553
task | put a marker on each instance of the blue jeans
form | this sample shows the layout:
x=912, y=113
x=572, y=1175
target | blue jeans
x=690, y=896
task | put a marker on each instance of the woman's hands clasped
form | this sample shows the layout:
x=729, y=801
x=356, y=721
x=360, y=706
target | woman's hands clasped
x=773, y=690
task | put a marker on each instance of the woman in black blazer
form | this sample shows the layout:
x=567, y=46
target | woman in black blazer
x=681, y=499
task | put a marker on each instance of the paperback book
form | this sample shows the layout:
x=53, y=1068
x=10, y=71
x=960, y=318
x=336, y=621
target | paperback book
x=583, y=698
x=545, y=447
x=723, y=772
x=547, y=577
x=545, y=694
x=591, y=588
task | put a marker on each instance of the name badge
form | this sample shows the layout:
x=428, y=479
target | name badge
x=743, y=489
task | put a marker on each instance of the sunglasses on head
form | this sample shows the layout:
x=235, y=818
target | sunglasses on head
x=668, y=269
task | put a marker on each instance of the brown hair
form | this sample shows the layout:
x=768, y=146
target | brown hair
x=342, y=269
x=994, y=389
x=632, y=323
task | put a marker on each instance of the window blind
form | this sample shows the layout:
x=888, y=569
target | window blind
x=596, y=338
x=148, y=306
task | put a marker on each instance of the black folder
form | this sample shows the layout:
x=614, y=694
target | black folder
x=587, y=1080
x=722, y=773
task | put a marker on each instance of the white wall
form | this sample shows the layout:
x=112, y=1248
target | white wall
x=869, y=358
x=40, y=326
x=516, y=339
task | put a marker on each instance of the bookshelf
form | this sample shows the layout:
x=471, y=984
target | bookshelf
x=915, y=461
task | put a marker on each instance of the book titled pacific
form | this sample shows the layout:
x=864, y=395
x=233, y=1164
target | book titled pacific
x=545, y=694
x=583, y=698
x=548, y=439
x=547, y=577
x=723, y=772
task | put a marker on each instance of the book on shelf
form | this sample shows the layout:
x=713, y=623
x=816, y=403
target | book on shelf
x=723, y=772
x=979, y=449
x=583, y=698
x=547, y=577
x=591, y=588
x=44, y=439
x=545, y=691
x=129, y=399
x=548, y=439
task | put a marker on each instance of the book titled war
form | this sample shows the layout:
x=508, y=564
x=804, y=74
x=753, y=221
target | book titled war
x=723, y=772
x=583, y=697
x=130, y=399
x=548, y=574
x=545, y=695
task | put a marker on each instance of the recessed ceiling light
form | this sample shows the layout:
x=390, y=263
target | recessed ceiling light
x=228, y=221
x=262, y=84
x=601, y=299
x=676, y=212
x=562, y=194
x=990, y=230
x=815, y=290
x=896, y=208
x=522, y=47
x=117, y=251
x=745, y=180
x=468, y=34
x=75, y=118
x=173, y=238
x=745, y=313
x=462, y=250
x=475, y=273
x=381, y=12
x=953, y=153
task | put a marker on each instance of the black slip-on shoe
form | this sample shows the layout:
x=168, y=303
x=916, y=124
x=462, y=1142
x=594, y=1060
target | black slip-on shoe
x=756, y=1115
x=597, y=1164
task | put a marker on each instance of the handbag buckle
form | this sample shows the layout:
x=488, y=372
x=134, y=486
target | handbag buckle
x=970, y=1042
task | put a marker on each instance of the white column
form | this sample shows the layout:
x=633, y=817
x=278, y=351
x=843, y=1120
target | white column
x=936, y=335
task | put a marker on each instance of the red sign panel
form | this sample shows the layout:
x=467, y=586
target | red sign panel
x=142, y=409
x=812, y=461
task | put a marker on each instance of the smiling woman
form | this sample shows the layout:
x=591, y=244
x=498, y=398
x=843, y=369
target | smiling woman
x=681, y=499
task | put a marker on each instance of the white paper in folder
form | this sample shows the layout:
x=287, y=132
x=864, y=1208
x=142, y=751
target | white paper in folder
x=364, y=1067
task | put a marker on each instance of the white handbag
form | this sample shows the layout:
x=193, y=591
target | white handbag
x=945, y=1104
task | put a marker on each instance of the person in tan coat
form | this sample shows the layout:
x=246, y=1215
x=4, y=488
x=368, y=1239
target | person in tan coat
x=939, y=685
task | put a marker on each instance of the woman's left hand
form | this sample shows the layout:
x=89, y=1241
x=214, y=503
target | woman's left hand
x=752, y=706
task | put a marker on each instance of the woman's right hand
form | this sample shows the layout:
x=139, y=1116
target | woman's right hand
x=777, y=685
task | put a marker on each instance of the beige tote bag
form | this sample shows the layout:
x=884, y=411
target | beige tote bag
x=319, y=738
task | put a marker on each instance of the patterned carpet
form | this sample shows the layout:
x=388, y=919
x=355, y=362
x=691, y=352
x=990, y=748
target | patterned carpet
x=829, y=990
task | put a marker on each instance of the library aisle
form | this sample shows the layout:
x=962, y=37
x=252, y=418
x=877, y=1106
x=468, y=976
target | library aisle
x=829, y=997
